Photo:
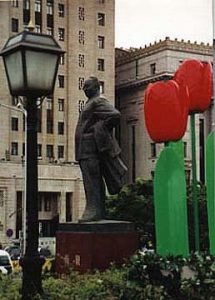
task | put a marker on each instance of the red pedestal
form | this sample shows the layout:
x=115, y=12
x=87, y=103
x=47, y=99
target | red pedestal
x=94, y=245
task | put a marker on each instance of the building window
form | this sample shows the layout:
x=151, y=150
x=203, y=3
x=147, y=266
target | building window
x=61, y=128
x=81, y=13
x=68, y=207
x=101, y=64
x=60, y=81
x=23, y=122
x=185, y=149
x=60, y=151
x=14, y=100
x=38, y=28
x=49, y=103
x=37, y=6
x=49, y=7
x=49, y=151
x=49, y=126
x=26, y=16
x=23, y=149
x=81, y=60
x=14, y=25
x=39, y=150
x=101, y=1
x=62, y=59
x=102, y=87
x=14, y=148
x=49, y=119
x=47, y=204
x=80, y=83
x=39, y=202
x=81, y=104
x=101, y=19
x=1, y=198
x=81, y=37
x=14, y=124
x=61, y=34
x=101, y=42
x=61, y=10
x=133, y=151
x=15, y=3
x=61, y=104
x=153, y=69
x=153, y=150
x=50, y=21
x=49, y=30
x=26, y=4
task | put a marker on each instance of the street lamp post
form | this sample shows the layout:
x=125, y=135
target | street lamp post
x=31, y=63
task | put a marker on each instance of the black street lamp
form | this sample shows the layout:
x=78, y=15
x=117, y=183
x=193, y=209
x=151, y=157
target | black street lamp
x=31, y=63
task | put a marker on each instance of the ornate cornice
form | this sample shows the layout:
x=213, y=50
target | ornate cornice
x=143, y=81
x=127, y=55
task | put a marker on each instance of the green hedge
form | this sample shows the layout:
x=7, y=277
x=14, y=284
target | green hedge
x=174, y=277
x=146, y=276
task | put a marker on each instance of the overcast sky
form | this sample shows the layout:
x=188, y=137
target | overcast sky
x=140, y=22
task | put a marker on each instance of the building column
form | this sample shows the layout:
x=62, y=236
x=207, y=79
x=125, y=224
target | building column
x=62, y=214
x=77, y=206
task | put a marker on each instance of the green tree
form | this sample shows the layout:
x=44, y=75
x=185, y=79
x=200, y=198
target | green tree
x=203, y=217
x=134, y=203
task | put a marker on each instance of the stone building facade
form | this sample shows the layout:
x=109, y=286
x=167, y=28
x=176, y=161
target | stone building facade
x=85, y=30
x=135, y=69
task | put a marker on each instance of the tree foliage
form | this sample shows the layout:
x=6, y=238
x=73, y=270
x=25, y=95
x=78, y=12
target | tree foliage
x=135, y=203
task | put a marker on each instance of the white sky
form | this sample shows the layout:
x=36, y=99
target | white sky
x=140, y=22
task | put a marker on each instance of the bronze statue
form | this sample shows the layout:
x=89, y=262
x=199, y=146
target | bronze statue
x=97, y=151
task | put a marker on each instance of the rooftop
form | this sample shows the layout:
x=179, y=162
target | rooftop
x=126, y=55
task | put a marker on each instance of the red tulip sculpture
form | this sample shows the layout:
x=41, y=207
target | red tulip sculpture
x=197, y=76
x=166, y=113
x=166, y=110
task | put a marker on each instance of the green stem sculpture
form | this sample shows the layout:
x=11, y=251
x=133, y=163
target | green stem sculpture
x=210, y=185
x=170, y=202
x=194, y=184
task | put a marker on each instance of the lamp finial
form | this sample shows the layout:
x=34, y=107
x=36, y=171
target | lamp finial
x=30, y=26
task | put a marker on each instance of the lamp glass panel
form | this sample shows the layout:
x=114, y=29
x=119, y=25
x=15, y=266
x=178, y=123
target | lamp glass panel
x=40, y=70
x=14, y=68
x=14, y=40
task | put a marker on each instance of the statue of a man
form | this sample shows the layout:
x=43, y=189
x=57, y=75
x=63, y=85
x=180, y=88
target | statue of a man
x=97, y=151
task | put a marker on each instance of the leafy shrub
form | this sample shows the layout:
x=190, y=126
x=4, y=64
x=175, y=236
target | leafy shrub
x=180, y=278
x=9, y=288
x=147, y=276
x=99, y=286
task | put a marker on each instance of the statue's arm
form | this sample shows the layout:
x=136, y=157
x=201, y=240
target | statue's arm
x=107, y=112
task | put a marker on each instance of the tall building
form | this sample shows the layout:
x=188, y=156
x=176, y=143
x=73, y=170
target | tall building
x=85, y=30
x=135, y=69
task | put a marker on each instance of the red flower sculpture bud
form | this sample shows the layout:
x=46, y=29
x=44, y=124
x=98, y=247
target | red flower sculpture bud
x=166, y=110
x=198, y=77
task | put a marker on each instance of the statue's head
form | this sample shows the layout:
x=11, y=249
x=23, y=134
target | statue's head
x=91, y=87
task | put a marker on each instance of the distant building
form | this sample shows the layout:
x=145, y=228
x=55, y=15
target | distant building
x=135, y=69
x=85, y=30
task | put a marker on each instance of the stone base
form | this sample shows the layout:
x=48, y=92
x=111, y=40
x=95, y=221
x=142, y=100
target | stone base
x=94, y=245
